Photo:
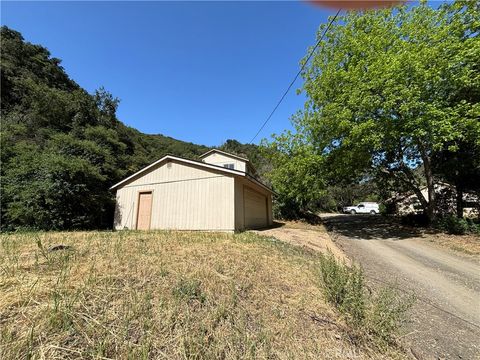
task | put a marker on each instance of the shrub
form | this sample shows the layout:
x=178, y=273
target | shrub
x=388, y=208
x=378, y=315
x=387, y=312
x=452, y=225
x=286, y=209
x=344, y=287
x=458, y=226
x=474, y=226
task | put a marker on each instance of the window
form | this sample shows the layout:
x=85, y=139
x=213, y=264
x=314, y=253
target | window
x=229, y=166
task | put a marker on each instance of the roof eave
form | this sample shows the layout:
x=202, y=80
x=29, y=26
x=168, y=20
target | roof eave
x=193, y=162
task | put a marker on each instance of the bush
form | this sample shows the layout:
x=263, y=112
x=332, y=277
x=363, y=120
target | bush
x=458, y=226
x=289, y=210
x=344, y=288
x=286, y=209
x=378, y=315
x=387, y=312
x=474, y=226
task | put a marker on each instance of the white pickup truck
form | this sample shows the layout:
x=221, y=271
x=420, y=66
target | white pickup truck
x=362, y=208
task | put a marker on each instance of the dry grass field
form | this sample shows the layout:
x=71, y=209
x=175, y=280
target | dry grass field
x=468, y=244
x=175, y=295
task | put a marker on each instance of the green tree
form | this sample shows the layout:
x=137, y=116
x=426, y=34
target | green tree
x=48, y=190
x=386, y=92
x=296, y=175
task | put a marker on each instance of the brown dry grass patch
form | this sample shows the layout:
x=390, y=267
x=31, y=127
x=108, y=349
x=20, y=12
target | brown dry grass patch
x=469, y=244
x=165, y=295
x=310, y=236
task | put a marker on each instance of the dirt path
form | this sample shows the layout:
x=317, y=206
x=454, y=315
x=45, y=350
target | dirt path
x=312, y=237
x=446, y=317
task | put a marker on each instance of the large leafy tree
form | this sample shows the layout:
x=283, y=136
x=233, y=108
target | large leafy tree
x=389, y=89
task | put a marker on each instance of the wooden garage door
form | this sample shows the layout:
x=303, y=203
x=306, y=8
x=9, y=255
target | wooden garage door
x=255, y=209
x=144, y=213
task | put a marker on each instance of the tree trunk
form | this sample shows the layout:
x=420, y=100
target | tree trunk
x=430, y=210
x=424, y=202
x=413, y=185
x=459, y=199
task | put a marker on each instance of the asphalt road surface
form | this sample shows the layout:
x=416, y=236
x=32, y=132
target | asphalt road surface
x=445, y=320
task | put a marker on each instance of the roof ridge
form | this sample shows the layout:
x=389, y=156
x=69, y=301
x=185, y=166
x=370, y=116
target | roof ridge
x=224, y=152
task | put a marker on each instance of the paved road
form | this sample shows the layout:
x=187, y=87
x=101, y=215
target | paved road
x=448, y=281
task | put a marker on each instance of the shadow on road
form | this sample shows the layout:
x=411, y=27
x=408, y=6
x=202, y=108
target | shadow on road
x=367, y=227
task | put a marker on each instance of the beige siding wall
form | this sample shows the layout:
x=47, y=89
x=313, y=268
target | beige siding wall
x=220, y=160
x=240, y=184
x=185, y=197
x=408, y=205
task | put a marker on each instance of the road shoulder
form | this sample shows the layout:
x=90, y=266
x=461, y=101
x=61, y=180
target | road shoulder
x=313, y=237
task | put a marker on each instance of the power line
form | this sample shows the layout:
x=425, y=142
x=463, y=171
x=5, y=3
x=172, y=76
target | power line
x=296, y=76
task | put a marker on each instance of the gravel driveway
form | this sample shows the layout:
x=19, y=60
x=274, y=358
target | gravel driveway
x=445, y=321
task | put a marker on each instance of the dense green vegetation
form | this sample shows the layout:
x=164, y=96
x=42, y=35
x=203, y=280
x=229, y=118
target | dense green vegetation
x=62, y=148
x=392, y=99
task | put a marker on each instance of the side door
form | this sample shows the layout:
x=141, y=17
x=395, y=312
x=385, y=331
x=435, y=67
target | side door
x=362, y=209
x=144, y=211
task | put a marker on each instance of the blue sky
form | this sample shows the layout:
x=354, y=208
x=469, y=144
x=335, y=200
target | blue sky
x=197, y=71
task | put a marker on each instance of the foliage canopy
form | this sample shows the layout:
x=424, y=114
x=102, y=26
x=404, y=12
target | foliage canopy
x=388, y=91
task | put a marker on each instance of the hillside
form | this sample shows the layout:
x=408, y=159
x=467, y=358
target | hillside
x=62, y=148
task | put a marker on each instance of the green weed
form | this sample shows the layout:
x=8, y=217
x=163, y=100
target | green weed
x=378, y=315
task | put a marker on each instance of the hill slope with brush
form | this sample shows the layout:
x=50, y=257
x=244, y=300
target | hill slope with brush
x=62, y=148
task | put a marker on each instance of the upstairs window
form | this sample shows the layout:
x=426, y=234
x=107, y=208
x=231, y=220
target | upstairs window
x=229, y=166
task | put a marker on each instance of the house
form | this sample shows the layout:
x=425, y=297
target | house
x=218, y=193
x=446, y=200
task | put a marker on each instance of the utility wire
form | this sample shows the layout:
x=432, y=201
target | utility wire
x=296, y=76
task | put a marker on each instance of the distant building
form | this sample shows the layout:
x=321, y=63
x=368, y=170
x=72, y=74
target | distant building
x=446, y=200
x=219, y=193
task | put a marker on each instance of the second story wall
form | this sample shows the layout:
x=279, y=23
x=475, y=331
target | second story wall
x=222, y=160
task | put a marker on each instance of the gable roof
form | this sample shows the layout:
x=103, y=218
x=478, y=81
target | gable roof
x=195, y=163
x=223, y=153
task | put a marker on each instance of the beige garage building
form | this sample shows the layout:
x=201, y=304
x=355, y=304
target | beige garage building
x=219, y=193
